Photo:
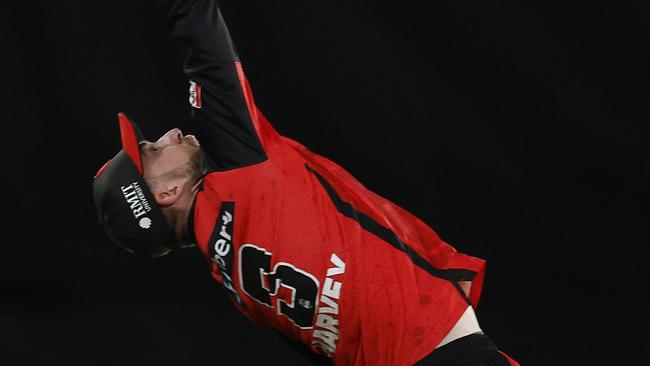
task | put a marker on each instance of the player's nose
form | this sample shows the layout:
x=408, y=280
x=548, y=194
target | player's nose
x=172, y=137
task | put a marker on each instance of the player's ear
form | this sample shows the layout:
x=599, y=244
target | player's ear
x=170, y=193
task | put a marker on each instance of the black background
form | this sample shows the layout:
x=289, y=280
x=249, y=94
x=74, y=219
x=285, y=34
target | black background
x=518, y=130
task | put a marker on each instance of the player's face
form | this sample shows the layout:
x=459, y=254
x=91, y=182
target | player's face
x=171, y=152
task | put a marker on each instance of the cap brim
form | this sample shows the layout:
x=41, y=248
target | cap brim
x=131, y=137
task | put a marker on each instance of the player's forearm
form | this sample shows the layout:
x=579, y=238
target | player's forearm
x=221, y=112
x=199, y=26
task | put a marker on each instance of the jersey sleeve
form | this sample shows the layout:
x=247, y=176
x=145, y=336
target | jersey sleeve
x=221, y=109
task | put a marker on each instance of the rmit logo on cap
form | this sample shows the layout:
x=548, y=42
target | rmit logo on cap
x=138, y=203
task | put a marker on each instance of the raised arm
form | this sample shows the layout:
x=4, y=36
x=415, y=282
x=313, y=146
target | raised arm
x=222, y=110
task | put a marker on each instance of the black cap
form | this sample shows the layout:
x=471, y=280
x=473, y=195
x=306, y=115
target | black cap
x=125, y=205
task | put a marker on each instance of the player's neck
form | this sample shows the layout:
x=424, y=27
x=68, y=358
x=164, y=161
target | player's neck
x=178, y=214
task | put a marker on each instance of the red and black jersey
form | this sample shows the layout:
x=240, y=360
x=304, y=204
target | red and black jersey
x=299, y=243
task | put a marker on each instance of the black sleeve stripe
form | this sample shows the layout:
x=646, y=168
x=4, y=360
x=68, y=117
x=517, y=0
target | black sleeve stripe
x=385, y=234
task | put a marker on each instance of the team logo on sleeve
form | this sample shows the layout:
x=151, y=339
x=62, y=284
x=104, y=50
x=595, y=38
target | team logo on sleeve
x=195, y=95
